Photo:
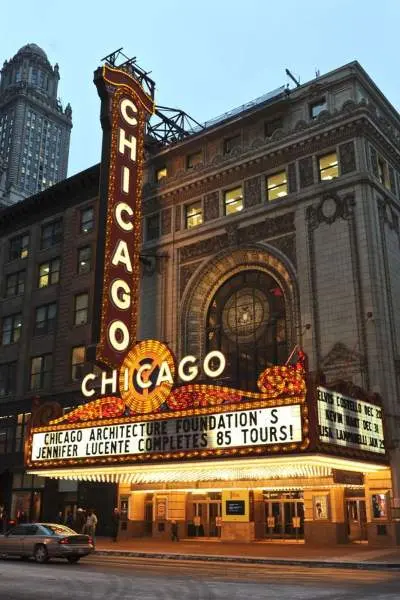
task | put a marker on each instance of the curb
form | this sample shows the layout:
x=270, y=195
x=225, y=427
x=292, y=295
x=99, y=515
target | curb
x=320, y=564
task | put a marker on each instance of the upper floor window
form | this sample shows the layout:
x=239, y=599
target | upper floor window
x=19, y=246
x=21, y=429
x=383, y=173
x=8, y=378
x=15, y=284
x=194, y=159
x=45, y=320
x=233, y=200
x=77, y=362
x=84, y=259
x=153, y=227
x=51, y=234
x=317, y=107
x=87, y=220
x=277, y=185
x=272, y=125
x=81, y=309
x=328, y=166
x=41, y=372
x=49, y=273
x=161, y=173
x=231, y=143
x=11, y=329
x=193, y=214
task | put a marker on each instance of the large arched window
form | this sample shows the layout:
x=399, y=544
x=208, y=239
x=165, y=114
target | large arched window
x=247, y=322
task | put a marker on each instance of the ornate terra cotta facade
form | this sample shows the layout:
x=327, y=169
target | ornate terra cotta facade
x=282, y=234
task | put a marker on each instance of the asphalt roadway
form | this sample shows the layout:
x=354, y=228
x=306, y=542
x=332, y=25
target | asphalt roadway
x=126, y=578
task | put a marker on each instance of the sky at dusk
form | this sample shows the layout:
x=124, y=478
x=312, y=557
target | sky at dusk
x=206, y=57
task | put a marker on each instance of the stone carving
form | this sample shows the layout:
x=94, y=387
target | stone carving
x=268, y=228
x=232, y=233
x=330, y=208
x=166, y=221
x=300, y=125
x=392, y=179
x=374, y=161
x=306, y=171
x=387, y=214
x=203, y=247
x=211, y=206
x=287, y=245
x=341, y=356
x=347, y=158
x=177, y=217
x=292, y=178
x=348, y=106
x=185, y=273
x=252, y=191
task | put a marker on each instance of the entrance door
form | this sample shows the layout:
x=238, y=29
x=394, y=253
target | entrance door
x=148, y=517
x=205, y=518
x=356, y=519
x=284, y=519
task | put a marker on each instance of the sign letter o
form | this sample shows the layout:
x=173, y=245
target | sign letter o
x=119, y=345
x=222, y=363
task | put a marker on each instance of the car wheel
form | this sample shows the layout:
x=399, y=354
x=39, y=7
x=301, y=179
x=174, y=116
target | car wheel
x=40, y=554
x=73, y=559
x=24, y=557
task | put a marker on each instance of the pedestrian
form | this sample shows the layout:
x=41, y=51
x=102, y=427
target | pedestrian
x=91, y=523
x=60, y=518
x=80, y=520
x=174, y=531
x=3, y=520
x=116, y=517
x=69, y=521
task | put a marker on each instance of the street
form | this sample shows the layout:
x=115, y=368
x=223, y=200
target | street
x=123, y=578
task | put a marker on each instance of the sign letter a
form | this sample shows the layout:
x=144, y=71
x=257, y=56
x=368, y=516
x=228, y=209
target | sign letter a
x=121, y=255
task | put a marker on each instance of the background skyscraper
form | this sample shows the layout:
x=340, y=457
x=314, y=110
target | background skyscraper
x=34, y=127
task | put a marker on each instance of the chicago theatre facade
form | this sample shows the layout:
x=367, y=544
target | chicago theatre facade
x=207, y=330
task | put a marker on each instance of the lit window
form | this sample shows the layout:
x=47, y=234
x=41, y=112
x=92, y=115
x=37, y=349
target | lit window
x=87, y=220
x=41, y=371
x=45, y=320
x=161, y=173
x=11, y=329
x=192, y=160
x=317, y=107
x=19, y=247
x=328, y=167
x=84, y=259
x=77, y=362
x=231, y=143
x=81, y=309
x=194, y=214
x=233, y=201
x=153, y=227
x=277, y=185
x=49, y=273
x=15, y=284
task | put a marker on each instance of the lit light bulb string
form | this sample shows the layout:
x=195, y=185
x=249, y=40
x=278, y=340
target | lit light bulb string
x=274, y=382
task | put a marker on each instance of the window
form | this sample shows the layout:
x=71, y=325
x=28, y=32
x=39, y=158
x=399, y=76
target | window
x=383, y=174
x=19, y=247
x=11, y=330
x=8, y=378
x=41, y=370
x=22, y=424
x=77, y=363
x=153, y=227
x=317, y=107
x=192, y=160
x=51, y=234
x=271, y=126
x=81, y=309
x=328, y=166
x=84, y=259
x=277, y=185
x=231, y=143
x=87, y=220
x=193, y=214
x=15, y=284
x=6, y=436
x=49, y=273
x=45, y=320
x=233, y=200
x=161, y=173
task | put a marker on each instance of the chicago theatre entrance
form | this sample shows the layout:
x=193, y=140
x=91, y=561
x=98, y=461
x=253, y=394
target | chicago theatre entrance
x=204, y=515
x=284, y=515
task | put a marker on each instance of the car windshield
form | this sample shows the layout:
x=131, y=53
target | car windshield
x=58, y=530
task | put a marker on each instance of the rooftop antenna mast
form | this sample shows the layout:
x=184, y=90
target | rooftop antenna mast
x=292, y=77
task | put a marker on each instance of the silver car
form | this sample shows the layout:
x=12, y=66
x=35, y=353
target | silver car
x=43, y=541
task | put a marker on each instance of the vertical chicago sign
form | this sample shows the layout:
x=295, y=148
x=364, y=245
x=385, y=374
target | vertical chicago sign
x=124, y=109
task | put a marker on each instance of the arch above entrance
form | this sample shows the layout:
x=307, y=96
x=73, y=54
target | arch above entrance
x=214, y=273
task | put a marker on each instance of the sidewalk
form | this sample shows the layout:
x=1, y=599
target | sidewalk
x=352, y=556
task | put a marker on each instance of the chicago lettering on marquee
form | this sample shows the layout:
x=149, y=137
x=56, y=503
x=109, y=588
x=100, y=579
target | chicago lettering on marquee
x=124, y=110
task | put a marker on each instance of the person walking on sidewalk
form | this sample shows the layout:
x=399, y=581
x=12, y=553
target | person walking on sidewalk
x=174, y=531
x=91, y=523
x=115, y=524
